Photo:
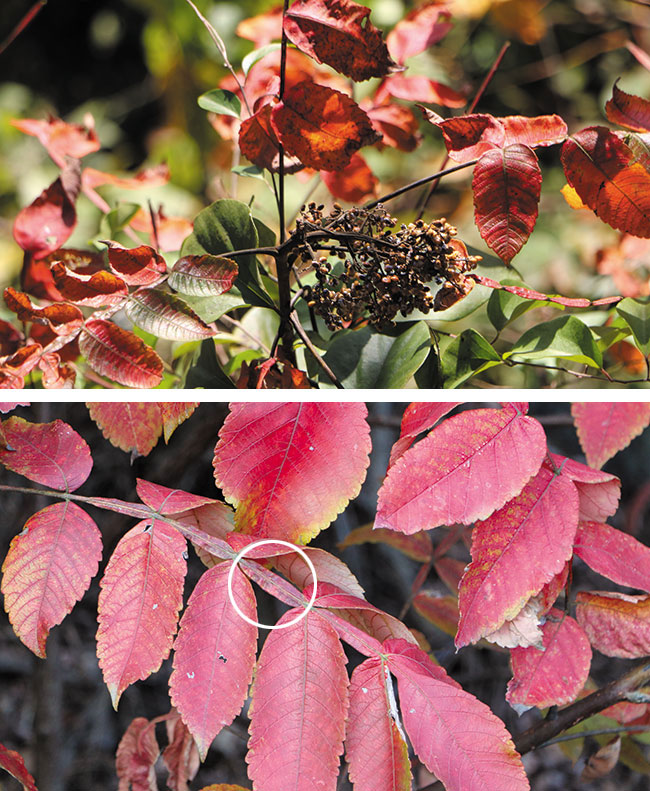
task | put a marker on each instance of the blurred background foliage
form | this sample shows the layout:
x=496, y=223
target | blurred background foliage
x=139, y=65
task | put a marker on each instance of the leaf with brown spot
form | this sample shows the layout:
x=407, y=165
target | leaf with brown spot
x=100, y=288
x=61, y=318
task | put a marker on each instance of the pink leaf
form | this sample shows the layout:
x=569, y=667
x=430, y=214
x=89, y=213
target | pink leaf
x=12, y=762
x=328, y=569
x=418, y=88
x=375, y=749
x=59, y=138
x=214, y=655
x=515, y=552
x=149, y=177
x=169, y=501
x=52, y=454
x=290, y=468
x=599, y=491
x=417, y=546
x=132, y=426
x=48, y=569
x=420, y=29
x=136, y=755
x=605, y=428
x=557, y=674
x=141, y=595
x=418, y=418
x=616, y=624
x=181, y=756
x=614, y=554
x=451, y=475
x=300, y=702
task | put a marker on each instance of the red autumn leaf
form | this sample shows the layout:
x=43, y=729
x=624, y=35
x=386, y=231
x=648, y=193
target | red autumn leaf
x=46, y=223
x=515, y=552
x=442, y=479
x=10, y=338
x=100, y=288
x=290, y=468
x=52, y=454
x=48, y=569
x=12, y=762
x=138, y=266
x=354, y=183
x=418, y=88
x=625, y=262
x=141, y=596
x=529, y=293
x=339, y=33
x=628, y=110
x=166, y=316
x=214, y=655
x=61, y=318
x=616, y=624
x=149, y=177
x=506, y=186
x=329, y=569
x=418, y=418
x=557, y=674
x=170, y=232
x=14, y=367
x=59, y=138
x=540, y=130
x=603, y=171
x=417, y=546
x=203, y=275
x=258, y=141
x=169, y=501
x=614, y=554
x=321, y=126
x=605, y=428
x=441, y=611
x=55, y=374
x=599, y=492
x=136, y=755
x=181, y=756
x=420, y=29
x=397, y=125
x=174, y=413
x=375, y=749
x=300, y=702
x=454, y=734
x=133, y=426
x=119, y=354
x=262, y=29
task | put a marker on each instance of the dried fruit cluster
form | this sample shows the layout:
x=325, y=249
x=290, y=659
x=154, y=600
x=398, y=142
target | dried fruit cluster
x=380, y=272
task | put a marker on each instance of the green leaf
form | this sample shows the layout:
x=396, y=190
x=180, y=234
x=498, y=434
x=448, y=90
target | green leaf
x=210, y=309
x=565, y=336
x=467, y=355
x=221, y=102
x=118, y=218
x=265, y=236
x=206, y=372
x=165, y=315
x=504, y=307
x=249, y=171
x=636, y=313
x=257, y=54
x=367, y=359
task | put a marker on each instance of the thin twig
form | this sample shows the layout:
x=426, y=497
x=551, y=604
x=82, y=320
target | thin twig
x=305, y=339
x=567, y=737
x=419, y=183
x=22, y=24
x=233, y=322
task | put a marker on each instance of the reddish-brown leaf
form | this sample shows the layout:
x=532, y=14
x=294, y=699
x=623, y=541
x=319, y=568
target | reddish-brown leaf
x=52, y=454
x=138, y=266
x=262, y=29
x=628, y=110
x=605, y=428
x=136, y=755
x=540, y=130
x=46, y=223
x=321, y=126
x=397, y=125
x=418, y=88
x=48, y=569
x=12, y=762
x=258, y=141
x=119, y=354
x=61, y=318
x=149, y=177
x=14, y=367
x=140, y=598
x=418, y=418
x=506, y=186
x=181, y=756
x=132, y=426
x=10, y=338
x=214, y=655
x=614, y=554
x=603, y=760
x=601, y=169
x=420, y=29
x=555, y=675
x=174, y=413
x=417, y=546
x=616, y=624
x=339, y=33
x=354, y=183
x=59, y=138
x=203, y=275
x=290, y=468
x=100, y=288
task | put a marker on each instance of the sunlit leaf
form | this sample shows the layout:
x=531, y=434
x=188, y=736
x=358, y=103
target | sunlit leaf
x=137, y=266
x=221, y=102
x=61, y=318
x=420, y=29
x=100, y=288
x=565, y=336
x=355, y=183
x=628, y=110
x=418, y=418
x=636, y=313
x=165, y=316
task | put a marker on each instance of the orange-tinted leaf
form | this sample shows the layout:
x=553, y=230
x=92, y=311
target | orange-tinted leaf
x=61, y=318
x=181, y=756
x=59, y=138
x=140, y=598
x=15, y=366
x=614, y=554
x=605, y=428
x=354, y=183
x=290, y=468
x=417, y=546
x=138, y=266
x=203, y=275
x=540, y=130
x=214, y=655
x=339, y=33
x=46, y=223
x=48, y=569
x=515, y=552
x=263, y=28
x=602, y=761
x=572, y=197
x=175, y=413
x=418, y=418
x=12, y=762
x=420, y=29
x=599, y=492
x=329, y=569
x=321, y=126
x=149, y=177
x=397, y=125
x=628, y=110
x=553, y=676
x=441, y=611
x=629, y=357
x=166, y=316
x=300, y=701
x=136, y=755
x=418, y=88
x=133, y=426
x=616, y=624
x=119, y=354
x=627, y=261
x=258, y=141
x=56, y=375
x=375, y=748
x=601, y=169
x=100, y=288
x=52, y=454
x=170, y=231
